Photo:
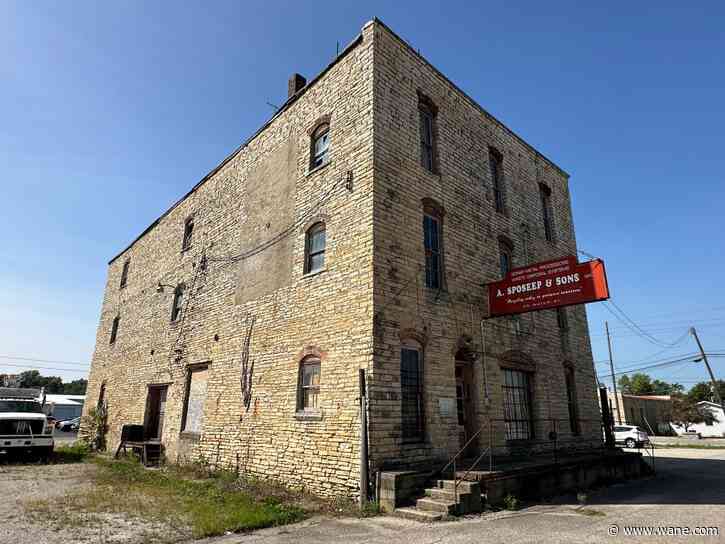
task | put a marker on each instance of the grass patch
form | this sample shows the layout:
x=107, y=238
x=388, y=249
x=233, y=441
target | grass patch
x=589, y=512
x=73, y=453
x=184, y=501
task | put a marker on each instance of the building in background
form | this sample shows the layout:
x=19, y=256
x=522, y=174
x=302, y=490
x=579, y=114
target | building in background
x=10, y=380
x=712, y=427
x=64, y=407
x=354, y=230
x=652, y=413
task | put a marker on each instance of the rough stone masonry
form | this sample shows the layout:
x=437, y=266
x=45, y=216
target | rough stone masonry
x=355, y=230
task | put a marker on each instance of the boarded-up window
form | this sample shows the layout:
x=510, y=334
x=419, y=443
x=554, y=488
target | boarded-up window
x=195, y=398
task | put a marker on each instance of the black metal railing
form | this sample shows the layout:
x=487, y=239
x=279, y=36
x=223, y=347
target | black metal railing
x=549, y=437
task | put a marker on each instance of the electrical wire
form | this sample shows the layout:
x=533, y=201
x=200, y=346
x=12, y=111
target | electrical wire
x=36, y=360
x=33, y=367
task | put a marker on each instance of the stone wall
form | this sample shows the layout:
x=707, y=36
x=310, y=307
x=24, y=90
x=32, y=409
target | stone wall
x=445, y=320
x=264, y=191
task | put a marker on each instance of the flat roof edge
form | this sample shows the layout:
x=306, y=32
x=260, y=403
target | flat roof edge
x=471, y=100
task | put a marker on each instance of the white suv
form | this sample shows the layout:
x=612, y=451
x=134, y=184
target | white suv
x=630, y=436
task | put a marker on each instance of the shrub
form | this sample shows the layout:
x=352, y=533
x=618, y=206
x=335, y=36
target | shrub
x=510, y=502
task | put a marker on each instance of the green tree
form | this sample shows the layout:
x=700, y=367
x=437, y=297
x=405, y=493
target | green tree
x=685, y=412
x=52, y=384
x=641, y=384
x=703, y=391
x=637, y=384
x=76, y=387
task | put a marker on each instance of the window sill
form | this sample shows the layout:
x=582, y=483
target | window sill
x=436, y=174
x=413, y=442
x=314, y=273
x=308, y=415
x=318, y=168
x=195, y=437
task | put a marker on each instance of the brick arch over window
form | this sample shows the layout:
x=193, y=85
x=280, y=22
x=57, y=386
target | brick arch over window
x=432, y=206
x=321, y=217
x=465, y=349
x=310, y=351
x=505, y=240
x=427, y=102
x=413, y=335
x=322, y=120
x=517, y=360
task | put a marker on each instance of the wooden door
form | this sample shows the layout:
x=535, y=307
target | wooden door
x=155, y=410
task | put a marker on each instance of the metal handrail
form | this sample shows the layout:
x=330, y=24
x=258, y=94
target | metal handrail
x=460, y=451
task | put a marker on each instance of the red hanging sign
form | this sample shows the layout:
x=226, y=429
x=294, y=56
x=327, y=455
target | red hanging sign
x=551, y=284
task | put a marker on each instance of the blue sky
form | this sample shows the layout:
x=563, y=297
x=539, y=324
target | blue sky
x=111, y=111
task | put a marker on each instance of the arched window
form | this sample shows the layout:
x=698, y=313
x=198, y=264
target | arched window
x=177, y=305
x=124, y=274
x=102, y=394
x=546, y=212
x=495, y=163
x=315, y=242
x=571, y=399
x=308, y=385
x=427, y=113
x=411, y=391
x=433, y=243
x=320, y=145
x=506, y=256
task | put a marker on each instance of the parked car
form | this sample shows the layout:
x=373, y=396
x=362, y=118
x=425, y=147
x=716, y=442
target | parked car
x=68, y=425
x=630, y=435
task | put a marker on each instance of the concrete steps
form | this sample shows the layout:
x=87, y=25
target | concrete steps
x=444, y=500
x=411, y=512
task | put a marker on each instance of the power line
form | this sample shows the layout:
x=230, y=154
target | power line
x=671, y=325
x=634, y=327
x=36, y=360
x=688, y=358
x=34, y=367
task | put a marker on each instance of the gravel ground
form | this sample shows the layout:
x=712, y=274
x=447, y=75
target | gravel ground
x=21, y=485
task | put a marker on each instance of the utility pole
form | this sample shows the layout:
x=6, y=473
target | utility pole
x=611, y=366
x=715, y=390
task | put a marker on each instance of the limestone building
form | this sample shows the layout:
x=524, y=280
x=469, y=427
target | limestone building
x=355, y=230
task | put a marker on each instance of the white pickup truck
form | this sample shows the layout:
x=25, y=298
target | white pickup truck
x=24, y=427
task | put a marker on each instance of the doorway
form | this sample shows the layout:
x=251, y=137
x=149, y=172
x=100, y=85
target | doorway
x=467, y=426
x=155, y=410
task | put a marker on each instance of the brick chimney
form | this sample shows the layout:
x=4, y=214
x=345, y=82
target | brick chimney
x=295, y=83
